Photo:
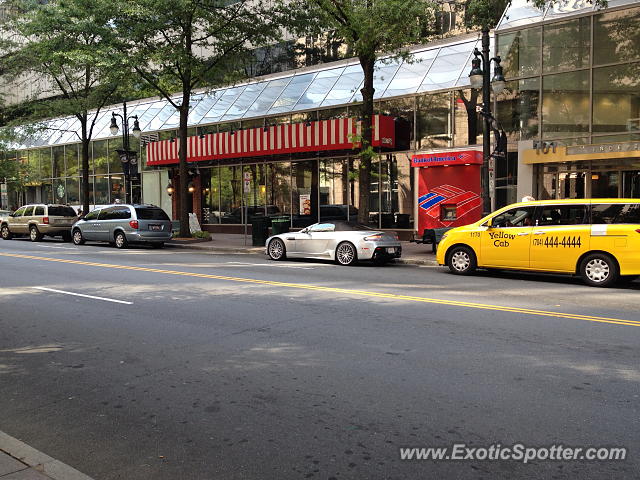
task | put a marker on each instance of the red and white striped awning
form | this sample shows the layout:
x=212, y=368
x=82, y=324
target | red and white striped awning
x=280, y=139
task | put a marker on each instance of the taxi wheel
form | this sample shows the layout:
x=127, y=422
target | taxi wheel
x=599, y=270
x=277, y=250
x=462, y=261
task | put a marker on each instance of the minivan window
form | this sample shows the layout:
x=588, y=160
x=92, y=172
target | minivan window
x=616, y=213
x=121, y=213
x=108, y=213
x=92, y=215
x=562, y=215
x=39, y=210
x=61, y=211
x=151, y=214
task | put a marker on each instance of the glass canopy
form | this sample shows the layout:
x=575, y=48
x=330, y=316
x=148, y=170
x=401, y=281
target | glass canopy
x=433, y=68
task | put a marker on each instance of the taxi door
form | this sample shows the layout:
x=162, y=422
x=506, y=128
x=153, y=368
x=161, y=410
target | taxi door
x=561, y=235
x=507, y=241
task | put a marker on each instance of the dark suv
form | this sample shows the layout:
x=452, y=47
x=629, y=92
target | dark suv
x=39, y=220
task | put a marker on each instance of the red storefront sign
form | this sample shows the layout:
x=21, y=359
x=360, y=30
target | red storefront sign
x=336, y=134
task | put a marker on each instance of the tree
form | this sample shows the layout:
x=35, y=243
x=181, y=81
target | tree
x=68, y=46
x=369, y=28
x=177, y=45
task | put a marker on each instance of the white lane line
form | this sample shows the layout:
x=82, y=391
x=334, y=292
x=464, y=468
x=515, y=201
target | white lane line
x=83, y=295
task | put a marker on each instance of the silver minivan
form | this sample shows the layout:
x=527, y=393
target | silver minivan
x=122, y=224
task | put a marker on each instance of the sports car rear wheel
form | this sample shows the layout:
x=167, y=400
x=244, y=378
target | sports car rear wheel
x=346, y=254
x=277, y=250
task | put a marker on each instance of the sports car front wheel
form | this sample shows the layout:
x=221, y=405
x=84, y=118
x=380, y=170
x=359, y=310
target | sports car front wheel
x=346, y=254
x=277, y=250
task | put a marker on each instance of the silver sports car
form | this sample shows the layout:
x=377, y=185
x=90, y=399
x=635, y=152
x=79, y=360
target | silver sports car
x=344, y=242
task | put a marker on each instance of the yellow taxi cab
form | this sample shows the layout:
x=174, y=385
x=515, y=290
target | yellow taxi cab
x=597, y=239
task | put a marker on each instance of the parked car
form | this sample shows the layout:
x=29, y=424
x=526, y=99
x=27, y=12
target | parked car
x=122, y=224
x=344, y=242
x=328, y=213
x=39, y=220
x=250, y=213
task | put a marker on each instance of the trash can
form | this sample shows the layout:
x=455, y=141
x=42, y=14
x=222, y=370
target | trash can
x=280, y=225
x=260, y=230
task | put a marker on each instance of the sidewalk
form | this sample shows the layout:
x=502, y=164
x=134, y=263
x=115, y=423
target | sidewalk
x=19, y=461
x=412, y=253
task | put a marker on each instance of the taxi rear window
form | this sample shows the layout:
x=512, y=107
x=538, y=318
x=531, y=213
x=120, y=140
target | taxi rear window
x=616, y=213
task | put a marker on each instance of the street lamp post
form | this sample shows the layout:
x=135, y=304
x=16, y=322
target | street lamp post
x=479, y=78
x=128, y=157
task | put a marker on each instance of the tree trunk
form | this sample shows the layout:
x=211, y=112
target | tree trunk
x=85, y=167
x=472, y=115
x=185, y=232
x=366, y=151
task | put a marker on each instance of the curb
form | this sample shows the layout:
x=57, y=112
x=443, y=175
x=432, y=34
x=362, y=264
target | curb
x=39, y=461
x=260, y=250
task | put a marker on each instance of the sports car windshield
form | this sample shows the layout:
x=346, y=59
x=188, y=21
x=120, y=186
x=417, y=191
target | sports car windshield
x=349, y=226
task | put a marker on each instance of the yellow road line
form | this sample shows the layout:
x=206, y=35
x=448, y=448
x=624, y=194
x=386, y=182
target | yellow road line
x=365, y=293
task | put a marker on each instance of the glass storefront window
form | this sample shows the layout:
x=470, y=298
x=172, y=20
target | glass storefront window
x=433, y=129
x=616, y=98
x=231, y=194
x=517, y=109
x=254, y=183
x=58, y=162
x=59, y=190
x=520, y=52
x=617, y=36
x=100, y=158
x=305, y=197
x=468, y=124
x=565, y=105
x=71, y=160
x=334, y=190
x=117, y=188
x=631, y=184
x=279, y=186
x=572, y=184
x=211, y=195
x=605, y=184
x=73, y=191
x=566, y=45
x=115, y=165
x=101, y=190
x=44, y=154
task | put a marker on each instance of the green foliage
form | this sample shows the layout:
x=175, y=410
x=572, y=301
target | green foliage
x=201, y=234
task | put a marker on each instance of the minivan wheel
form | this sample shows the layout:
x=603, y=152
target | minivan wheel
x=599, y=270
x=277, y=250
x=78, y=239
x=34, y=234
x=5, y=233
x=120, y=240
x=462, y=261
x=346, y=254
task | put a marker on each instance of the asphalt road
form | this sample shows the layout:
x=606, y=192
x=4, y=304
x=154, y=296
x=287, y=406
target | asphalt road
x=213, y=366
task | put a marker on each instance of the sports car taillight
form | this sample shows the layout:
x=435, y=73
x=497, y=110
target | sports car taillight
x=372, y=238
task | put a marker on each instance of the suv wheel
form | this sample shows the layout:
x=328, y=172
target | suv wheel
x=599, y=270
x=34, y=234
x=5, y=233
x=120, y=240
x=461, y=260
x=78, y=239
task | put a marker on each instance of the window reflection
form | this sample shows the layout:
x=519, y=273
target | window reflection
x=565, y=104
x=566, y=45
